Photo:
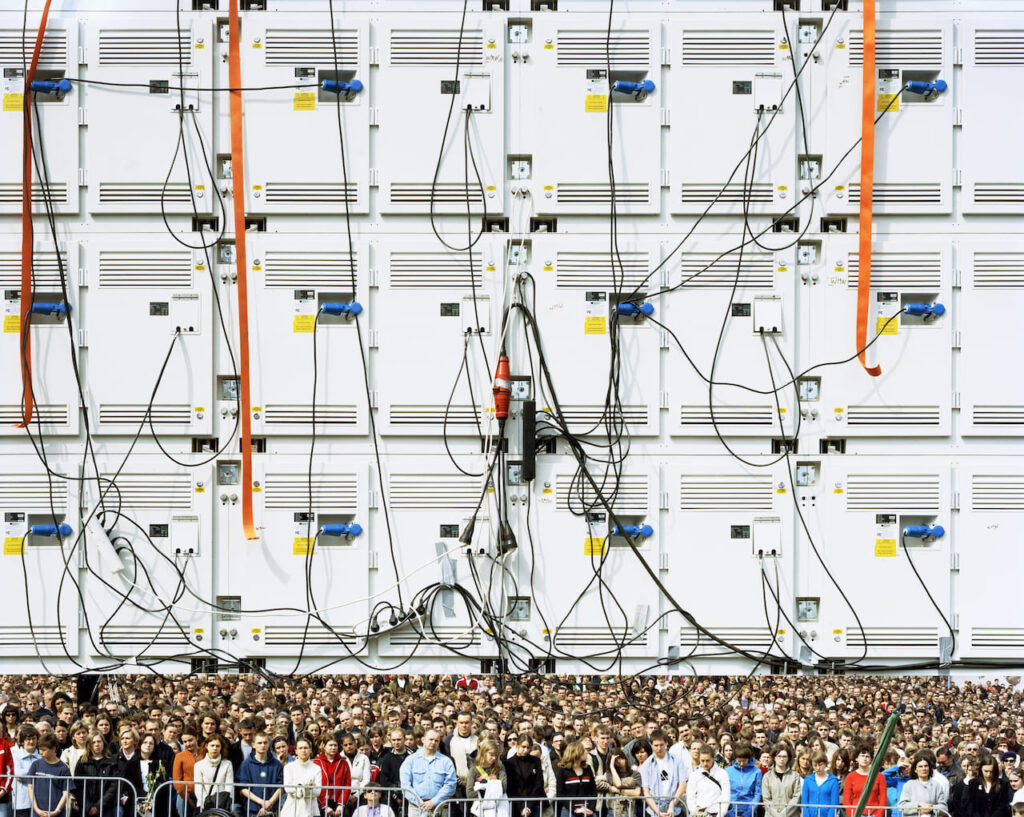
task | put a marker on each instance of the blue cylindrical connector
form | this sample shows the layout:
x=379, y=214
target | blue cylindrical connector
x=64, y=529
x=353, y=308
x=926, y=310
x=337, y=86
x=634, y=530
x=636, y=89
x=51, y=87
x=59, y=309
x=353, y=529
x=926, y=89
x=924, y=531
x=633, y=309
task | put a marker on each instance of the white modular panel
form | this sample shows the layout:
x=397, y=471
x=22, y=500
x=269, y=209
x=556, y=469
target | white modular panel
x=913, y=167
x=565, y=98
x=579, y=281
x=730, y=74
x=992, y=403
x=993, y=169
x=54, y=388
x=290, y=277
x=706, y=272
x=158, y=516
x=991, y=503
x=150, y=301
x=54, y=121
x=290, y=503
x=420, y=57
x=438, y=307
x=856, y=509
x=913, y=395
x=429, y=503
x=146, y=149
x=728, y=522
x=46, y=622
x=584, y=616
x=293, y=149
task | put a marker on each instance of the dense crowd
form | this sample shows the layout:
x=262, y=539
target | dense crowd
x=546, y=746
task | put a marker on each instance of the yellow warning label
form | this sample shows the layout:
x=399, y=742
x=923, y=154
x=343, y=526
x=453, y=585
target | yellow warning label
x=13, y=103
x=200, y=267
x=491, y=187
x=546, y=490
x=12, y=546
x=837, y=632
x=549, y=187
x=892, y=329
x=595, y=325
x=257, y=45
x=782, y=409
x=302, y=546
x=884, y=101
x=595, y=103
x=200, y=187
x=837, y=490
x=594, y=546
x=304, y=101
x=198, y=409
x=548, y=268
x=257, y=489
x=885, y=547
x=549, y=46
x=303, y=323
x=12, y=324
x=200, y=45
x=840, y=45
x=783, y=46
x=492, y=45
x=200, y=489
x=257, y=187
x=490, y=268
x=256, y=409
x=780, y=632
x=780, y=490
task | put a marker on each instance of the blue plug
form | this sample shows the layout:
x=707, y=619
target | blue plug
x=632, y=309
x=59, y=309
x=926, y=310
x=635, y=530
x=924, y=531
x=64, y=529
x=55, y=88
x=353, y=529
x=926, y=89
x=353, y=308
x=336, y=86
x=637, y=89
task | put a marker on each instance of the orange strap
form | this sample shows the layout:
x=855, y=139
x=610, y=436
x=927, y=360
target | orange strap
x=867, y=173
x=238, y=190
x=26, y=224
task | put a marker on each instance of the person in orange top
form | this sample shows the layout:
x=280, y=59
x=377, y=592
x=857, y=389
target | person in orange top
x=184, y=769
x=855, y=781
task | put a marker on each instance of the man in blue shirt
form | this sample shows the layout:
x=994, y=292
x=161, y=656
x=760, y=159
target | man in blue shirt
x=260, y=777
x=49, y=780
x=428, y=777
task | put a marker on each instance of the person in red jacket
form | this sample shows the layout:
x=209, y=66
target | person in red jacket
x=855, y=781
x=6, y=772
x=337, y=778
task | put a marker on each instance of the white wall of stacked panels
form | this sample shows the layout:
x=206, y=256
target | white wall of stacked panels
x=935, y=439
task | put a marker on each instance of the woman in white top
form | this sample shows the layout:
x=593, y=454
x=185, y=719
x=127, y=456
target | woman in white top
x=302, y=781
x=214, y=774
x=79, y=747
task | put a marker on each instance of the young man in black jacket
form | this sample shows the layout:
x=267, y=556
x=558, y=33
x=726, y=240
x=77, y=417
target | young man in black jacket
x=390, y=769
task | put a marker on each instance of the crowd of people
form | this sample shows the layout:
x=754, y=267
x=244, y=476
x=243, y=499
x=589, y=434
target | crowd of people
x=544, y=746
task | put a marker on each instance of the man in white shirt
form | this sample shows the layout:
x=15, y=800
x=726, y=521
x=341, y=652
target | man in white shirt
x=663, y=779
x=681, y=749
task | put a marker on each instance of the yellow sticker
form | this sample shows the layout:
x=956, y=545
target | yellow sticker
x=548, y=268
x=837, y=490
x=595, y=103
x=491, y=187
x=200, y=489
x=303, y=323
x=547, y=490
x=200, y=187
x=838, y=410
x=594, y=546
x=892, y=329
x=549, y=187
x=780, y=490
x=840, y=45
x=256, y=268
x=257, y=630
x=302, y=546
x=257, y=45
x=256, y=409
x=304, y=101
x=781, y=268
x=782, y=409
x=884, y=101
x=12, y=546
x=780, y=632
x=198, y=630
x=491, y=268
x=13, y=103
x=200, y=45
x=837, y=632
x=549, y=46
x=783, y=46
x=885, y=547
x=12, y=324
x=595, y=325
x=200, y=267
x=782, y=187
x=198, y=409
x=257, y=489
x=257, y=187
x=840, y=187
x=492, y=45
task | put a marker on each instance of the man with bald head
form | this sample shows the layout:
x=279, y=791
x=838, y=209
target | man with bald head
x=428, y=777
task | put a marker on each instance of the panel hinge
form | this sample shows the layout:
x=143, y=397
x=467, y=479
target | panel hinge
x=83, y=337
x=81, y=177
x=958, y=278
x=374, y=117
x=666, y=56
x=83, y=277
x=958, y=55
x=375, y=277
x=955, y=339
x=374, y=177
x=663, y=501
x=374, y=338
x=372, y=499
x=954, y=500
x=663, y=400
x=958, y=177
x=955, y=621
x=665, y=276
x=373, y=560
x=662, y=561
x=954, y=561
x=374, y=55
x=373, y=399
x=664, y=338
x=956, y=400
x=83, y=116
x=958, y=117
x=666, y=117
x=664, y=177
x=82, y=55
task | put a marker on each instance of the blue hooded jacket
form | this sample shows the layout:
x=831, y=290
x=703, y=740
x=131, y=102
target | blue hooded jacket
x=261, y=778
x=744, y=789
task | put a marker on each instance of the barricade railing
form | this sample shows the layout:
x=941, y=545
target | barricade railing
x=78, y=795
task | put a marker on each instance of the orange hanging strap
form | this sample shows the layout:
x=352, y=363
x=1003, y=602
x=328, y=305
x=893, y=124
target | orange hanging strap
x=238, y=189
x=867, y=172
x=26, y=225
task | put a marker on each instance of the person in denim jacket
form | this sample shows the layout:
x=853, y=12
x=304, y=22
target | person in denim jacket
x=428, y=777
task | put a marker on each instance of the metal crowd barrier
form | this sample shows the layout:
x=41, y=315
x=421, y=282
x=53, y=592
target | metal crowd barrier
x=88, y=795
